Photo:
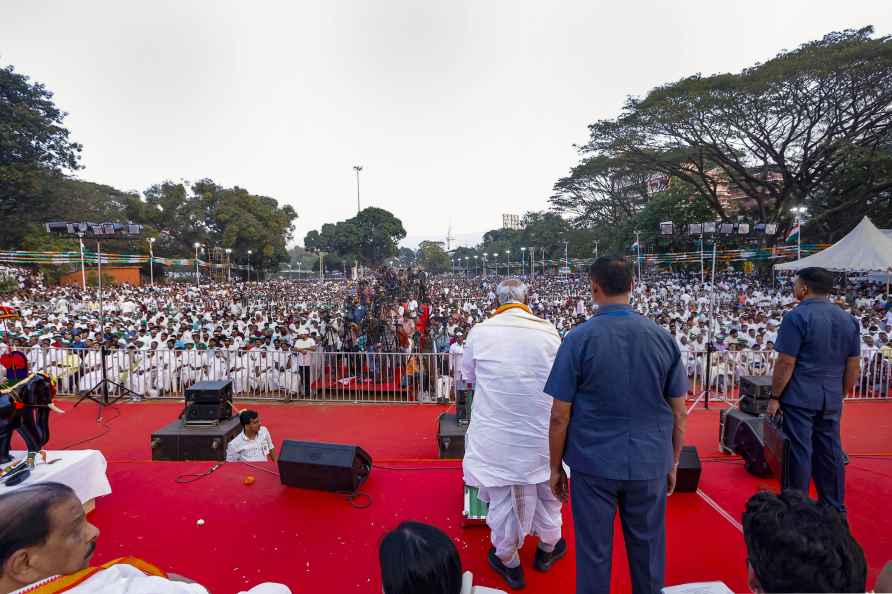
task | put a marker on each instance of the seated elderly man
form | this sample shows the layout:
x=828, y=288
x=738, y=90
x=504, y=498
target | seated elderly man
x=46, y=544
x=508, y=358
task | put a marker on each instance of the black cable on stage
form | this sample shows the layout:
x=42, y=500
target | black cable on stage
x=105, y=424
x=185, y=479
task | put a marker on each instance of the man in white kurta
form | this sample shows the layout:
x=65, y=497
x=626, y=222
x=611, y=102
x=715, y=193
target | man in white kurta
x=508, y=358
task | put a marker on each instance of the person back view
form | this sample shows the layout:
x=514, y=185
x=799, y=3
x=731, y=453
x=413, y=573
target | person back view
x=420, y=559
x=617, y=420
x=794, y=544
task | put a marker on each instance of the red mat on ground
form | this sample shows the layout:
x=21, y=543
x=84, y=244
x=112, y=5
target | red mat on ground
x=315, y=542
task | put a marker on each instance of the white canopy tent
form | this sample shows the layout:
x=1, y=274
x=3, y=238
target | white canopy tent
x=865, y=249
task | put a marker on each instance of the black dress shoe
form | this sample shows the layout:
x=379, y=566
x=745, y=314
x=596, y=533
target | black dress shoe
x=512, y=575
x=544, y=561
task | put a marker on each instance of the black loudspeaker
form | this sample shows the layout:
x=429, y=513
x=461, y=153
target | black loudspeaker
x=756, y=386
x=743, y=434
x=207, y=414
x=754, y=406
x=323, y=466
x=209, y=392
x=688, y=476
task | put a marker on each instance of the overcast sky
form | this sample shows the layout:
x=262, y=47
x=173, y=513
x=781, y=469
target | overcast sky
x=458, y=110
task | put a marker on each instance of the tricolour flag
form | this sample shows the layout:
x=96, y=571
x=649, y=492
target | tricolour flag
x=635, y=245
x=794, y=233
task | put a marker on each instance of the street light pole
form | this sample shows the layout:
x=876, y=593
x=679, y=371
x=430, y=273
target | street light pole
x=508, y=261
x=228, y=267
x=596, y=248
x=638, y=255
x=249, y=265
x=151, y=241
x=484, y=263
x=197, y=281
x=357, y=169
x=523, y=260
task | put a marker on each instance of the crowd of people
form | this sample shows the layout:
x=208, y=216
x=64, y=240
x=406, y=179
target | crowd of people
x=286, y=338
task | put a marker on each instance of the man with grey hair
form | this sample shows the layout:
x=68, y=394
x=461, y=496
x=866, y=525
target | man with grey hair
x=508, y=358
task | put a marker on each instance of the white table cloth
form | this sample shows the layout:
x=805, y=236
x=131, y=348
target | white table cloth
x=82, y=470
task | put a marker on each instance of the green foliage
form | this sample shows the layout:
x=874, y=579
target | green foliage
x=33, y=145
x=369, y=237
x=36, y=153
x=215, y=216
x=809, y=127
x=433, y=258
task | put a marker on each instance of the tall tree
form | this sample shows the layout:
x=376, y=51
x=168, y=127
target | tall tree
x=34, y=145
x=370, y=237
x=784, y=133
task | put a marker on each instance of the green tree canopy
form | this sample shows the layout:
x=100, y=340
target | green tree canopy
x=809, y=127
x=370, y=237
x=34, y=145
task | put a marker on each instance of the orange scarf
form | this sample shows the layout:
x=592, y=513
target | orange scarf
x=507, y=306
x=63, y=583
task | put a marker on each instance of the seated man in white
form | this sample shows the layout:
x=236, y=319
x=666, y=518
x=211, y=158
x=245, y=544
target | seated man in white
x=420, y=559
x=253, y=444
x=46, y=544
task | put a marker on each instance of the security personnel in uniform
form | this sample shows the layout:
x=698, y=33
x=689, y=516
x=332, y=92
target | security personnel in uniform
x=617, y=420
x=819, y=347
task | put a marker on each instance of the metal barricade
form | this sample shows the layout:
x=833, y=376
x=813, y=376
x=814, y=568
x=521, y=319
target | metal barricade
x=260, y=374
x=256, y=374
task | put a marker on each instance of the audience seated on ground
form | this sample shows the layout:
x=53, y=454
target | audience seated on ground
x=796, y=545
x=420, y=559
x=46, y=544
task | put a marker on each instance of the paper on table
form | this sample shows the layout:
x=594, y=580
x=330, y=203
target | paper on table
x=699, y=588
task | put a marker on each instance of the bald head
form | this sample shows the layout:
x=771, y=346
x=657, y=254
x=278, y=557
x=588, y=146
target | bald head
x=511, y=290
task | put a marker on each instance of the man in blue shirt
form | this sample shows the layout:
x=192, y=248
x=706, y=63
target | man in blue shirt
x=617, y=420
x=818, y=361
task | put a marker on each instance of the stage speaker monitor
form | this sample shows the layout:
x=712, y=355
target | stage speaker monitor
x=688, y=476
x=323, y=466
x=209, y=392
x=756, y=386
x=743, y=434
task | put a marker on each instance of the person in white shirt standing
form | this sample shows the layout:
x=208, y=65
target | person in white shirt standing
x=305, y=347
x=508, y=358
x=254, y=443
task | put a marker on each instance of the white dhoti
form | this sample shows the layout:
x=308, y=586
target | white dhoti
x=517, y=511
x=508, y=358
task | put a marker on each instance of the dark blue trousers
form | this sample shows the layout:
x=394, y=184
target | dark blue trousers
x=642, y=511
x=816, y=452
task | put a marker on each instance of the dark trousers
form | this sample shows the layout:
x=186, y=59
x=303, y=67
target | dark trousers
x=816, y=452
x=304, y=371
x=642, y=511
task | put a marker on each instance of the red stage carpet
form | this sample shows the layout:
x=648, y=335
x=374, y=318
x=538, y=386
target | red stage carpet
x=316, y=542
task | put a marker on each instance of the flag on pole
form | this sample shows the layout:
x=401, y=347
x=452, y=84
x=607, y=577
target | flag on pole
x=635, y=245
x=793, y=234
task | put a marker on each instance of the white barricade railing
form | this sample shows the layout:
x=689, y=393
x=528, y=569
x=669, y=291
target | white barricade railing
x=726, y=367
x=256, y=374
x=365, y=376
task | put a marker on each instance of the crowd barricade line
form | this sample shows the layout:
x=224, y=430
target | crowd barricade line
x=256, y=374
